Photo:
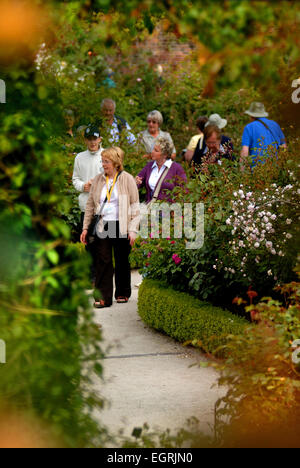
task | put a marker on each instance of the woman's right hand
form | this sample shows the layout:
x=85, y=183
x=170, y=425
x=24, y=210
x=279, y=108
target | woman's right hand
x=138, y=180
x=83, y=237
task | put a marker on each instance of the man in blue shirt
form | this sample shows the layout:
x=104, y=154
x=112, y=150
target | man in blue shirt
x=262, y=137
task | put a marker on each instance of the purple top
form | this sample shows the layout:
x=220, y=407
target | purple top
x=175, y=177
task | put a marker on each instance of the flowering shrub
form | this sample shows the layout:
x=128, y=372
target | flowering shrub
x=264, y=230
x=251, y=234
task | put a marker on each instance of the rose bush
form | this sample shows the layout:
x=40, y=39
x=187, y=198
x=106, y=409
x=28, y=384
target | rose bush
x=251, y=234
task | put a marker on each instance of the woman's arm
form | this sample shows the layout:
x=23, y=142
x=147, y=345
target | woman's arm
x=180, y=174
x=134, y=210
x=177, y=177
x=141, y=177
x=90, y=209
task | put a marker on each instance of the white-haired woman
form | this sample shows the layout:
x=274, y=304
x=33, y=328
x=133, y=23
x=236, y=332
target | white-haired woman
x=148, y=138
x=161, y=175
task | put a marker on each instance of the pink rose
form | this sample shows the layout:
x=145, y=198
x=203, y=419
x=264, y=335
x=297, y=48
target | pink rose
x=176, y=259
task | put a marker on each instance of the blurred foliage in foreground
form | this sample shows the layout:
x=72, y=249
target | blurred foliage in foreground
x=51, y=352
x=52, y=346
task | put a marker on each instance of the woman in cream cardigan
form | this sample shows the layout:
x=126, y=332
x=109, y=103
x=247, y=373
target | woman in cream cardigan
x=114, y=195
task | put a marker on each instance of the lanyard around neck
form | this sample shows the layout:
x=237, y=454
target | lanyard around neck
x=110, y=191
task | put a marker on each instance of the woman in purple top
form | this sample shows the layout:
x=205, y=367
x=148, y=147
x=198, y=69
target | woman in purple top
x=150, y=176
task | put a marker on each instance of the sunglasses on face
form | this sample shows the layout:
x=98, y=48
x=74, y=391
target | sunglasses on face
x=152, y=121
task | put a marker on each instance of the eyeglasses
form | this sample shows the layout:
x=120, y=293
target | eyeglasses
x=152, y=121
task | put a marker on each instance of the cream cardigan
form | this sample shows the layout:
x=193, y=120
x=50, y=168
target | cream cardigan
x=129, y=203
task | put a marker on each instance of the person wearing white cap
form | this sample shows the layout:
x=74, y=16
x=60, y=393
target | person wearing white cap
x=216, y=119
x=261, y=137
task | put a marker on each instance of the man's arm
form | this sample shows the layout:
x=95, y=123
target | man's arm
x=244, y=156
x=189, y=155
x=246, y=143
x=245, y=152
x=76, y=178
x=78, y=183
x=283, y=143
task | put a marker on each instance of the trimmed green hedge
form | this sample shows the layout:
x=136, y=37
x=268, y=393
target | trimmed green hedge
x=185, y=318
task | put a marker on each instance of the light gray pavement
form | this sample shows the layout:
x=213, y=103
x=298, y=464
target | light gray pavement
x=148, y=376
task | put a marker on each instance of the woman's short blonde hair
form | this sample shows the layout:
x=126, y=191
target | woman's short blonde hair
x=115, y=155
x=165, y=146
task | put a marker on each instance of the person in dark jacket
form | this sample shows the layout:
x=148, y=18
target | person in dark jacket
x=217, y=121
x=196, y=139
x=216, y=149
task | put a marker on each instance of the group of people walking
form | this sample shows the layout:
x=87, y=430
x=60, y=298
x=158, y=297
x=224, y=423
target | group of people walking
x=109, y=196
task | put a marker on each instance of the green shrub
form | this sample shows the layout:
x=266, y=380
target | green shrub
x=52, y=345
x=185, y=318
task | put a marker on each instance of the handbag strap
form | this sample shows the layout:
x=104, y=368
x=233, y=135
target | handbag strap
x=201, y=141
x=105, y=201
x=160, y=182
x=268, y=128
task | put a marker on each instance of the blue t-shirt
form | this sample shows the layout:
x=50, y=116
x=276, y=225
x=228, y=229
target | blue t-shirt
x=258, y=138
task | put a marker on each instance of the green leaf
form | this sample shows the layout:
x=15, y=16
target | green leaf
x=53, y=256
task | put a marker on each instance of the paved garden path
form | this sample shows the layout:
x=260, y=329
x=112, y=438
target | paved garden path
x=148, y=378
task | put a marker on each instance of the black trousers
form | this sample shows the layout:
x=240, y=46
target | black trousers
x=104, y=250
x=90, y=248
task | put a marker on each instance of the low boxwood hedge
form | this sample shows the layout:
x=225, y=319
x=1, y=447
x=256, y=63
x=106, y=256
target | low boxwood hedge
x=185, y=318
